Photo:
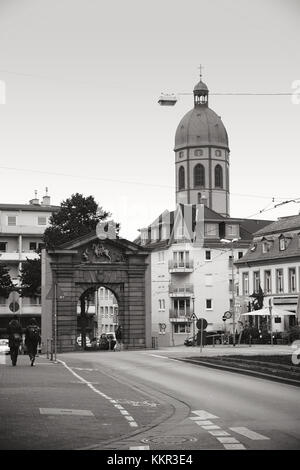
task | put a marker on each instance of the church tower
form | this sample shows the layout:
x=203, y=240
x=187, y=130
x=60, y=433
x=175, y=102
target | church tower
x=202, y=156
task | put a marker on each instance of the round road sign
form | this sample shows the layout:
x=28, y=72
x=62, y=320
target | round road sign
x=201, y=324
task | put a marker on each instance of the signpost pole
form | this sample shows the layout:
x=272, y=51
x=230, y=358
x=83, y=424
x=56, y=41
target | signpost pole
x=201, y=336
x=55, y=321
x=271, y=323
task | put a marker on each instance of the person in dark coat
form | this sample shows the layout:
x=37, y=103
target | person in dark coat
x=32, y=339
x=14, y=331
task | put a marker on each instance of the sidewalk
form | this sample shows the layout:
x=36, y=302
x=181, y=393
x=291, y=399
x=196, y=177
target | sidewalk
x=26, y=392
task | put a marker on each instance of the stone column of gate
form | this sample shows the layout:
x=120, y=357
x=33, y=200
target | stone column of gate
x=63, y=276
x=136, y=322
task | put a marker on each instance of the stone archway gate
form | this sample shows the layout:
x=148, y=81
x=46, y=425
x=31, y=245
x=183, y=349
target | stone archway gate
x=87, y=262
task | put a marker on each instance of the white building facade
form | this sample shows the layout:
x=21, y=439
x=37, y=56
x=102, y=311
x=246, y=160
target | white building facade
x=191, y=265
x=21, y=232
x=273, y=263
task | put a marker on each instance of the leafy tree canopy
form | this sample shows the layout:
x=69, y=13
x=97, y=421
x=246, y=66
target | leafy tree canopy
x=6, y=284
x=31, y=278
x=77, y=216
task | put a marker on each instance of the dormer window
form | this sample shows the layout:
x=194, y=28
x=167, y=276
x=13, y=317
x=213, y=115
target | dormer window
x=265, y=247
x=282, y=244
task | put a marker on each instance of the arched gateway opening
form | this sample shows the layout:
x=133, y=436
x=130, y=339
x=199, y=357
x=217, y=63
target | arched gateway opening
x=87, y=265
x=97, y=319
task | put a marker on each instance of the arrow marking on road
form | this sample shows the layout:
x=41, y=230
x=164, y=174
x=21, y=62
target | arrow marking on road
x=255, y=436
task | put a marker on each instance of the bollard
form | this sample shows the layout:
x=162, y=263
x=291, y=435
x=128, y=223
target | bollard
x=51, y=349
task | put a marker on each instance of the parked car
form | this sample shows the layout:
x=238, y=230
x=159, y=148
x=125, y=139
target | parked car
x=209, y=337
x=4, y=348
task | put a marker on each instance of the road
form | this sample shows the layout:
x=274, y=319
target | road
x=142, y=400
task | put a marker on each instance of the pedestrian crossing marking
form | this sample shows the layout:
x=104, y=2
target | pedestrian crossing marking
x=65, y=411
x=255, y=436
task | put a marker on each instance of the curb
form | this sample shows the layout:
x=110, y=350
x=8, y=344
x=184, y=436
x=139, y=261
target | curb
x=257, y=374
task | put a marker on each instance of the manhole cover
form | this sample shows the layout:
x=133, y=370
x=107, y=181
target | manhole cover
x=169, y=439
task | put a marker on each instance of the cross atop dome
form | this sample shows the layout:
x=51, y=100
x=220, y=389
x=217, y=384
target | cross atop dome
x=201, y=92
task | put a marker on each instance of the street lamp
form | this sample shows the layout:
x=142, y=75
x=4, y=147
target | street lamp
x=231, y=242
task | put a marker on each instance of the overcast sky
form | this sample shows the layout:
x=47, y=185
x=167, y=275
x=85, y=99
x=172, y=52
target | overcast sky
x=82, y=82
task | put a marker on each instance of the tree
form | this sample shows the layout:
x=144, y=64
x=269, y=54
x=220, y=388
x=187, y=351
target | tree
x=77, y=216
x=6, y=284
x=31, y=278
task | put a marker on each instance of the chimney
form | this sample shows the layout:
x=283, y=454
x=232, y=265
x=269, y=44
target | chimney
x=35, y=201
x=46, y=199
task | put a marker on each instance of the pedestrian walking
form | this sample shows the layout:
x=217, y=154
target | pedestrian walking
x=32, y=339
x=118, y=334
x=14, y=331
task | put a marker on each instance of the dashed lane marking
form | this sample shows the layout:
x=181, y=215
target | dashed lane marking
x=203, y=423
x=255, y=436
x=234, y=447
x=207, y=428
x=202, y=414
x=64, y=411
x=139, y=448
x=131, y=422
x=219, y=433
x=228, y=440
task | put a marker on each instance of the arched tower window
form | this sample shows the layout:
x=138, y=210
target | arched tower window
x=218, y=176
x=199, y=175
x=181, y=178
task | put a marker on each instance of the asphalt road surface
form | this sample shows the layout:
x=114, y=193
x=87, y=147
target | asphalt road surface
x=142, y=400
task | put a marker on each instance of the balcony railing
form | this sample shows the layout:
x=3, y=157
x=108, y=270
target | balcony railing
x=181, y=266
x=180, y=315
x=186, y=290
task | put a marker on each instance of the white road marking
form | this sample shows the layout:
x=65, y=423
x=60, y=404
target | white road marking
x=228, y=440
x=129, y=418
x=157, y=355
x=211, y=427
x=203, y=423
x=130, y=422
x=204, y=414
x=139, y=448
x=124, y=412
x=64, y=411
x=255, y=436
x=219, y=433
x=234, y=447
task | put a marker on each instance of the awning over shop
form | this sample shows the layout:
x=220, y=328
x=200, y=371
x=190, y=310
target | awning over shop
x=276, y=312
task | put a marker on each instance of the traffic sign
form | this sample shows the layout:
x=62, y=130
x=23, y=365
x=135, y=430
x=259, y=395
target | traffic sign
x=193, y=317
x=201, y=324
x=227, y=315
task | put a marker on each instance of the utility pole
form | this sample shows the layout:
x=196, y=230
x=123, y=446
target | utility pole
x=271, y=322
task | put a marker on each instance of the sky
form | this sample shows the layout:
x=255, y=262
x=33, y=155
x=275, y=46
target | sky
x=82, y=81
